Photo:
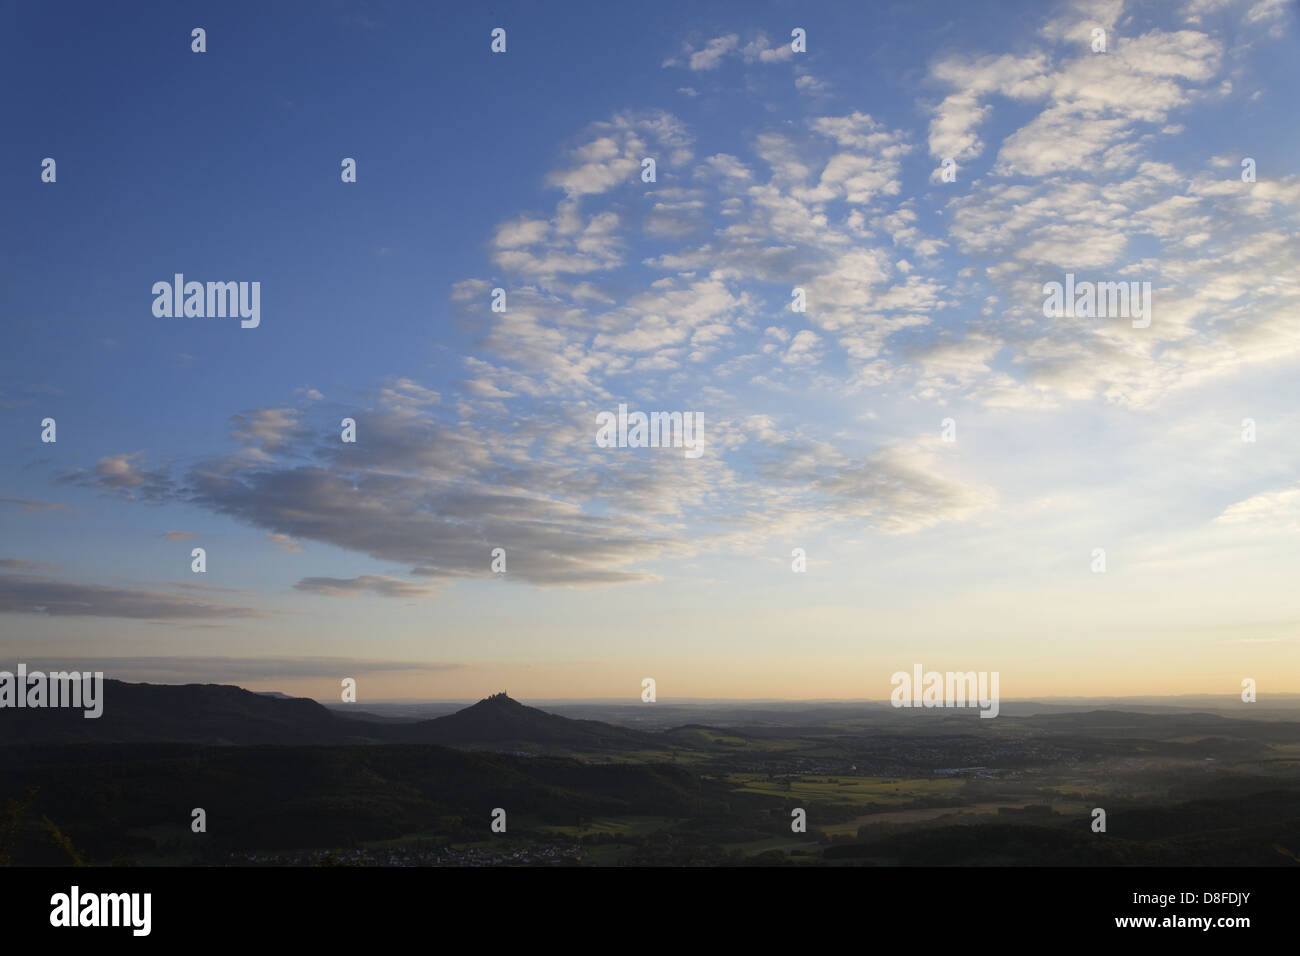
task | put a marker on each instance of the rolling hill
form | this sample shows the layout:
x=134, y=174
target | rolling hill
x=502, y=723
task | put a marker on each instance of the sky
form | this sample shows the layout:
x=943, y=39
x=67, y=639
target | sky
x=956, y=466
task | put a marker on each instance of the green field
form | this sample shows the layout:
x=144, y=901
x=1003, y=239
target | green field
x=637, y=826
x=850, y=791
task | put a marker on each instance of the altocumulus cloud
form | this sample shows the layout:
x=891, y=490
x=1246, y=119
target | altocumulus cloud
x=943, y=311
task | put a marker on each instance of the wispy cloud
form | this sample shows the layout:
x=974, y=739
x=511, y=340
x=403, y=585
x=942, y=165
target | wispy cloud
x=24, y=594
x=31, y=506
x=379, y=584
x=214, y=670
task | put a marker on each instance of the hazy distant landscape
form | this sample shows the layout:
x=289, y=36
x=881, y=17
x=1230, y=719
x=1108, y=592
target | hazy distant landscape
x=286, y=781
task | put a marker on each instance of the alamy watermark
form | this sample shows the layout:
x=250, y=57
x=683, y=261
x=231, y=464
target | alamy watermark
x=75, y=908
x=1091, y=300
x=38, y=689
x=656, y=430
x=953, y=689
x=216, y=300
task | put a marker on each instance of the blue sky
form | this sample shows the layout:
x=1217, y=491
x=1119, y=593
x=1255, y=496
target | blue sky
x=775, y=169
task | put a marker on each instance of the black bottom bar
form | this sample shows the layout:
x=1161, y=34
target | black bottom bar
x=945, y=907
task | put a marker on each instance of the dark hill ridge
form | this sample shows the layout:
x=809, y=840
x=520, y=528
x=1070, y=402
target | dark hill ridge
x=183, y=713
x=227, y=715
